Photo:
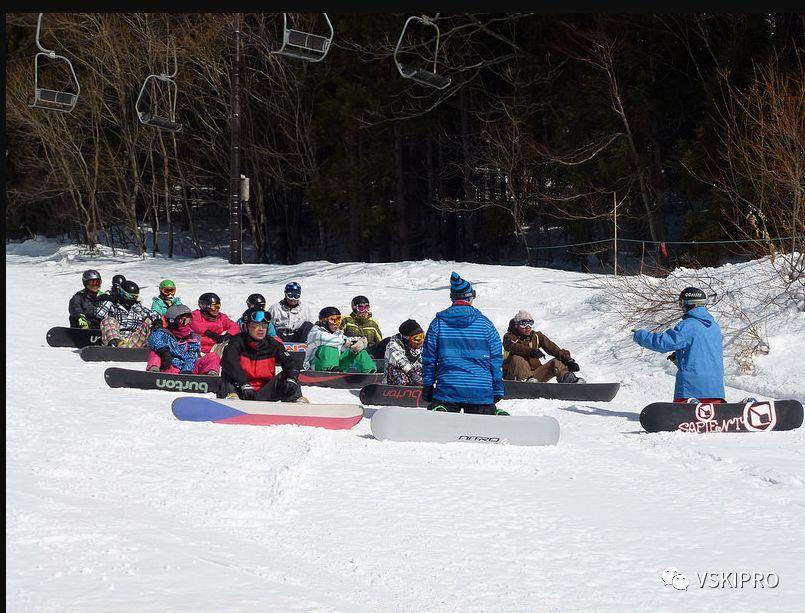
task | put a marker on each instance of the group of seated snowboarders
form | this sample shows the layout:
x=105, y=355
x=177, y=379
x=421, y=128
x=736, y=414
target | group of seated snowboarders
x=246, y=352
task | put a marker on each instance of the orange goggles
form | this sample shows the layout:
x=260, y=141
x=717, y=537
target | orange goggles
x=333, y=319
x=214, y=307
x=168, y=291
x=416, y=340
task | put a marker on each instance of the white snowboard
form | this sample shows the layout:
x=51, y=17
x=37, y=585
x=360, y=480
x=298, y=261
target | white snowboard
x=406, y=424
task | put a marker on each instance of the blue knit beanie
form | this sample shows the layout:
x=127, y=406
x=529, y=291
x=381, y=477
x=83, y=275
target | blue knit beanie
x=459, y=288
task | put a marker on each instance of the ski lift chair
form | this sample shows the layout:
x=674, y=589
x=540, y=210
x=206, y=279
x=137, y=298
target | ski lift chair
x=155, y=121
x=421, y=75
x=304, y=45
x=52, y=99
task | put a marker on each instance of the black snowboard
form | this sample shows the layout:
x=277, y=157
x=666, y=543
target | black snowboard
x=340, y=380
x=760, y=416
x=72, y=337
x=403, y=396
x=146, y=380
x=114, y=354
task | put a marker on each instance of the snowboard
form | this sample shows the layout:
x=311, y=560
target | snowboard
x=72, y=337
x=407, y=396
x=758, y=416
x=102, y=353
x=258, y=413
x=148, y=380
x=401, y=424
x=340, y=380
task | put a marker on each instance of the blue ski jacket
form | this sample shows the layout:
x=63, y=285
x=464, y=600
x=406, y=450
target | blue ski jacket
x=463, y=357
x=697, y=342
x=186, y=352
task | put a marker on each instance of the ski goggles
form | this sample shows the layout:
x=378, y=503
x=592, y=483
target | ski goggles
x=259, y=317
x=184, y=320
x=214, y=306
x=415, y=340
x=95, y=282
x=363, y=307
x=127, y=296
x=293, y=295
x=167, y=291
x=333, y=319
x=525, y=323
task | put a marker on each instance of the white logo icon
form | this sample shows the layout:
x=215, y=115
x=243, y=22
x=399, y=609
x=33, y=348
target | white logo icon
x=760, y=416
x=673, y=577
x=705, y=412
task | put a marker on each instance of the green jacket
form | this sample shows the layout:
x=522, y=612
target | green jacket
x=352, y=325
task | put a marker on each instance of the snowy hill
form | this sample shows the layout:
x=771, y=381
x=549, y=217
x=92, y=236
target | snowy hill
x=114, y=505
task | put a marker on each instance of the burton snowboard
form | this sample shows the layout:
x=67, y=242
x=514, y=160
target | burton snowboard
x=401, y=424
x=406, y=396
x=113, y=354
x=257, y=413
x=72, y=337
x=148, y=380
x=340, y=380
x=758, y=416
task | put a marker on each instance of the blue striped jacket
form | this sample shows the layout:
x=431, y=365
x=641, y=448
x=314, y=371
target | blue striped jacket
x=463, y=357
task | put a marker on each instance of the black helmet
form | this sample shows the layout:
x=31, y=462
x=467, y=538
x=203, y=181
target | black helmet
x=209, y=301
x=359, y=300
x=256, y=300
x=327, y=312
x=117, y=280
x=89, y=275
x=129, y=291
x=255, y=315
x=692, y=297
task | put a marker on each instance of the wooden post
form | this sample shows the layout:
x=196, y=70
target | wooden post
x=235, y=234
x=615, y=215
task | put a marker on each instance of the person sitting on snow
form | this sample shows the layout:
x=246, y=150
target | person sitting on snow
x=249, y=364
x=258, y=301
x=166, y=298
x=84, y=302
x=292, y=318
x=175, y=348
x=360, y=323
x=524, y=348
x=125, y=322
x=698, y=350
x=328, y=348
x=214, y=327
x=404, y=355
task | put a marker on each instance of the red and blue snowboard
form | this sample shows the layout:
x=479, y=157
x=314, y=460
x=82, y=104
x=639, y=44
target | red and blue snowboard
x=259, y=413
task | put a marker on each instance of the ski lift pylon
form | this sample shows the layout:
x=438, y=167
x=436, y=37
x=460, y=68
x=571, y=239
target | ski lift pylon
x=151, y=119
x=421, y=75
x=304, y=45
x=52, y=99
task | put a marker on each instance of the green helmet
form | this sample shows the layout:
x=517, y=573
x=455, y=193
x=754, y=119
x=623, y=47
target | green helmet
x=167, y=284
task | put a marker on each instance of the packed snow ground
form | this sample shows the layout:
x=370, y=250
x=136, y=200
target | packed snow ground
x=114, y=505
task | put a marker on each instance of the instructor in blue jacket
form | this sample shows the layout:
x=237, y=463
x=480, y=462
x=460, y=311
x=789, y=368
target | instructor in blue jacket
x=698, y=352
x=462, y=358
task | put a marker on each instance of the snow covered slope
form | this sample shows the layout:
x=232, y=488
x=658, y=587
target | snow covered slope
x=114, y=505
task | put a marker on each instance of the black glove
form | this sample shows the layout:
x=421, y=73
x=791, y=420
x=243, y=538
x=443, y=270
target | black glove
x=572, y=366
x=497, y=399
x=289, y=386
x=218, y=338
x=427, y=393
x=536, y=353
x=166, y=358
x=290, y=373
x=246, y=392
x=672, y=357
x=156, y=324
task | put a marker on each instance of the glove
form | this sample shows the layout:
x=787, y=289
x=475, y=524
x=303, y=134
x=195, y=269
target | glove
x=356, y=344
x=82, y=321
x=572, y=366
x=157, y=323
x=672, y=357
x=415, y=377
x=218, y=338
x=166, y=358
x=289, y=386
x=536, y=353
x=496, y=399
x=246, y=392
x=291, y=373
x=564, y=355
x=427, y=393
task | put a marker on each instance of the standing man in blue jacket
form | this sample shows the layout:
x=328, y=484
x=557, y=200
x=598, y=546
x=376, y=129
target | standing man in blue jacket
x=462, y=359
x=697, y=346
